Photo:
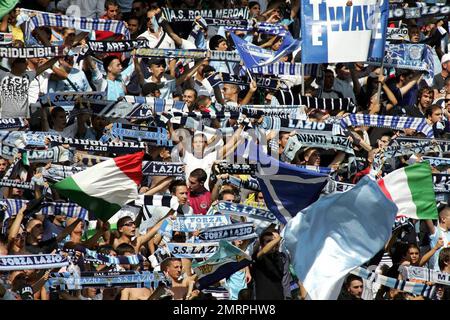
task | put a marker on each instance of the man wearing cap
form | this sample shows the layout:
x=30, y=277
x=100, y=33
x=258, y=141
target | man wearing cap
x=439, y=79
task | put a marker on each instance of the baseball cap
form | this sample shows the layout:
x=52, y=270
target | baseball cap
x=445, y=58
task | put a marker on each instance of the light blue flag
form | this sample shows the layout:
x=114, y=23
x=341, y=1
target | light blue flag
x=254, y=56
x=251, y=55
x=332, y=31
x=336, y=234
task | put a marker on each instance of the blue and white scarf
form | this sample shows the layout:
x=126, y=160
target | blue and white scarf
x=39, y=19
x=237, y=209
x=407, y=286
x=193, y=250
x=198, y=222
x=275, y=29
x=425, y=274
x=235, y=231
x=391, y=122
x=153, y=135
x=436, y=162
x=123, y=279
x=70, y=98
x=70, y=210
x=32, y=262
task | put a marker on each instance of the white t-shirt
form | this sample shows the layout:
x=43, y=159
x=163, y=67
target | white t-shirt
x=14, y=94
x=204, y=163
x=438, y=232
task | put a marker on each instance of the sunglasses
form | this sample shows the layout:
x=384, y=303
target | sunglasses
x=129, y=224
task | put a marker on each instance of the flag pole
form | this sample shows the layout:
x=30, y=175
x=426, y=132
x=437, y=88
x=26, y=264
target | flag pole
x=302, y=71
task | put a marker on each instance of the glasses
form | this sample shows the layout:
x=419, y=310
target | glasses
x=129, y=224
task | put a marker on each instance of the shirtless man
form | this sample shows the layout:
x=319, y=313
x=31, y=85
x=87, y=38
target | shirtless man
x=127, y=230
x=182, y=288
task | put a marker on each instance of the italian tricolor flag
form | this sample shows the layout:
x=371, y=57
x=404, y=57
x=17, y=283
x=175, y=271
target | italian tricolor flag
x=411, y=189
x=104, y=188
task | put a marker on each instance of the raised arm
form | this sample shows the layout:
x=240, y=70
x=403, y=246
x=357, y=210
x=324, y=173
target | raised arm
x=15, y=227
x=152, y=232
x=268, y=247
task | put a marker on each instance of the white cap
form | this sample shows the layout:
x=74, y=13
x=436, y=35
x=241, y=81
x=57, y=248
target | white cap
x=445, y=58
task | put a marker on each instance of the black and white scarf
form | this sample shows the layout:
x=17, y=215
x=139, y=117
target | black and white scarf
x=317, y=140
x=98, y=146
x=261, y=82
x=156, y=168
x=12, y=123
x=236, y=168
x=31, y=52
x=281, y=111
x=289, y=98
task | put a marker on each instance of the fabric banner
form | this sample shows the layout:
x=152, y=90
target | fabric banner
x=428, y=275
x=188, y=15
x=70, y=98
x=394, y=283
x=391, y=122
x=93, y=256
x=12, y=123
x=192, y=250
x=153, y=135
x=288, y=98
x=412, y=56
x=155, y=168
x=98, y=146
x=122, y=279
x=198, y=222
x=38, y=19
x=235, y=231
x=329, y=29
x=281, y=69
x=32, y=52
x=32, y=262
x=404, y=149
x=236, y=209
